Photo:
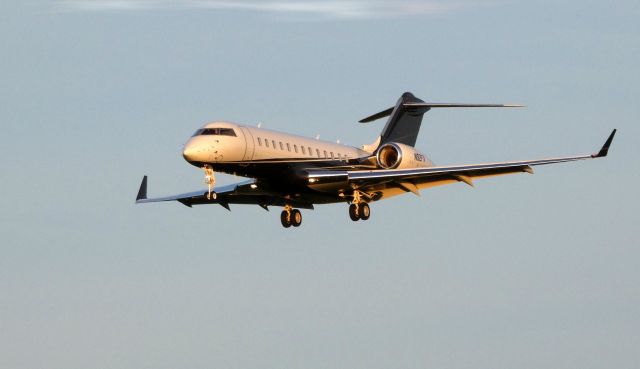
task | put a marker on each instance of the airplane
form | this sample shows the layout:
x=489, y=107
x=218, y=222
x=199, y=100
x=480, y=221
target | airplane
x=296, y=172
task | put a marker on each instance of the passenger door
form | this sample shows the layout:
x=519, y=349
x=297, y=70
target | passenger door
x=249, y=144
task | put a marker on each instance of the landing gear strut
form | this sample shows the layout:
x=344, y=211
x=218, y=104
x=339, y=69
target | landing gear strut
x=290, y=217
x=358, y=208
x=210, y=180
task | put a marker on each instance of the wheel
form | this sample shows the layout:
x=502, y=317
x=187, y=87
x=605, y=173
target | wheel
x=214, y=195
x=365, y=212
x=296, y=218
x=353, y=212
x=284, y=219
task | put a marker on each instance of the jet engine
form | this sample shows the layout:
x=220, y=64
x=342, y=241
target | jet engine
x=398, y=156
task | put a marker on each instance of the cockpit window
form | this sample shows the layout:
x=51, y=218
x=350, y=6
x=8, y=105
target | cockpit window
x=215, y=132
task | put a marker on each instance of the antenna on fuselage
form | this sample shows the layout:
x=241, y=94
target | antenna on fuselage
x=259, y=124
x=318, y=136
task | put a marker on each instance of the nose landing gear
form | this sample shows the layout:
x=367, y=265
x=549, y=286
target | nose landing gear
x=290, y=217
x=210, y=180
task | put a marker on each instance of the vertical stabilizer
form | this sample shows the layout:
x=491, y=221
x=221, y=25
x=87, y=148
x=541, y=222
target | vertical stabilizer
x=404, y=122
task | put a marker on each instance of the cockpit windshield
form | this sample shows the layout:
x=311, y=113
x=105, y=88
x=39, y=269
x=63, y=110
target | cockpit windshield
x=215, y=132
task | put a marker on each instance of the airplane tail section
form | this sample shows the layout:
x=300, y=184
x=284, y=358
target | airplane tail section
x=403, y=124
x=405, y=117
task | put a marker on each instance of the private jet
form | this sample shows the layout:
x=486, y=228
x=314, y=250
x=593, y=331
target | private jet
x=295, y=172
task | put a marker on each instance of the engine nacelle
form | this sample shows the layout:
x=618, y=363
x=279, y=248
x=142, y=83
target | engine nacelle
x=398, y=156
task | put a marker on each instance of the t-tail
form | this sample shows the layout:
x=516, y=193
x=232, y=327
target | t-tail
x=405, y=118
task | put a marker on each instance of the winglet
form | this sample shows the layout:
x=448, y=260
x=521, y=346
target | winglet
x=142, y=192
x=224, y=204
x=605, y=148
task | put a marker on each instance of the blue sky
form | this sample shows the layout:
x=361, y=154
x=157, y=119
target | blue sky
x=520, y=271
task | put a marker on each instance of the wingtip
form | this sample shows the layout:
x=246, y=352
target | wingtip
x=605, y=148
x=142, y=192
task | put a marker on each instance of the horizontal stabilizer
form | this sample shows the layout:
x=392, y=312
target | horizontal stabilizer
x=376, y=116
x=426, y=106
x=459, y=105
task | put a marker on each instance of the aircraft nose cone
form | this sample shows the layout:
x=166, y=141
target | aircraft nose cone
x=189, y=153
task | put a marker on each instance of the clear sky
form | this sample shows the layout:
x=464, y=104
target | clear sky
x=521, y=271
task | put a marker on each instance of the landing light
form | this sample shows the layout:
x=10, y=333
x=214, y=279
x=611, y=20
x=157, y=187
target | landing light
x=312, y=180
x=254, y=186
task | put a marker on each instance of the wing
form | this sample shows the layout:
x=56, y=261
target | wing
x=389, y=182
x=247, y=192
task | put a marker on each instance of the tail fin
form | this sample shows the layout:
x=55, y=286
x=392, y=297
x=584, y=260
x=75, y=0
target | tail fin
x=404, y=123
x=405, y=117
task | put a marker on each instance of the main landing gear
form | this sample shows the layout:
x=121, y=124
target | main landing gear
x=210, y=180
x=359, y=211
x=358, y=208
x=290, y=217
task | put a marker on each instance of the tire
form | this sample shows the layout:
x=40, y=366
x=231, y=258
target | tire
x=365, y=211
x=283, y=220
x=296, y=218
x=353, y=212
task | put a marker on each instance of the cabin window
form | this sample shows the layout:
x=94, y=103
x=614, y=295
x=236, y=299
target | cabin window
x=281, y=146
x=303, y=152
x=318, y=152
x=288, y=147
x=259, y=141
x=266, y=143
x=331, y=155
x=295, y=148
x=310, y=152
x=274, y=144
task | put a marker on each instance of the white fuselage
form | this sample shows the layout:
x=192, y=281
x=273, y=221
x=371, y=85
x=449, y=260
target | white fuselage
x=244, y=144
x=231, y=143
